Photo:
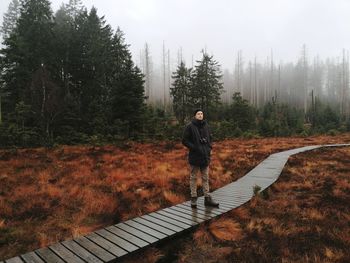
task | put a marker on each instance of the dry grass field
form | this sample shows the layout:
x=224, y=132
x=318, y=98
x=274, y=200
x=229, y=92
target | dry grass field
x=49, y=195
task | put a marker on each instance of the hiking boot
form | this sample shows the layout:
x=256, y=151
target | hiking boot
x=193, y=202
x=208, y=201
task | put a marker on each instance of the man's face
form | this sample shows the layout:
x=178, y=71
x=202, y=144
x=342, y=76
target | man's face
x=199, y=115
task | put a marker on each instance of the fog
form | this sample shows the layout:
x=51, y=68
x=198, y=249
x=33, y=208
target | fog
x=224, y=26
x=263, y=30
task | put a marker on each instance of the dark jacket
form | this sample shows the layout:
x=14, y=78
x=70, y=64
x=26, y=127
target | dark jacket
x=197, y=138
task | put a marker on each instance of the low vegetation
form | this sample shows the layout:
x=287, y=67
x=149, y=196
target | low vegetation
x=49, y=195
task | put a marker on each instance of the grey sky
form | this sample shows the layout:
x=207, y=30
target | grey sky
x=226, y=26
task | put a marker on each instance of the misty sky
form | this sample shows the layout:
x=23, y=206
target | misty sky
x=225, y=26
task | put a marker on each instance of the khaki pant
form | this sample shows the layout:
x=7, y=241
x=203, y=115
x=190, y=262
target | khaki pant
x=205, y=180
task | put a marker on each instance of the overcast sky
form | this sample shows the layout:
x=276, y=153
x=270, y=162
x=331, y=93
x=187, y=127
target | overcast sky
x=225, y=26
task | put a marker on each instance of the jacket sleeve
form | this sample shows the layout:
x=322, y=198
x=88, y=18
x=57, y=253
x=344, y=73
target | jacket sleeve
x=186, y=138
x=210, y=139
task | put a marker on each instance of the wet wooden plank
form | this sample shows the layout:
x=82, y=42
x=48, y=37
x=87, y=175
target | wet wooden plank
x=229, y=200
x=171, y=221
x=47, y=255
x=233, y=195
x=218, y=210
x=200, y=205
x=81, y=252
x=146, y=229
x=190, y=212
x=163, y=223
x=205, y=212
x=65, y=253
x=127, y=246
x=136, y=232
x=94, y=249
x=14, y=260
x=125, y=235
x=181, y=218
x=155, y=226
x=107, y=245
x=31, y=257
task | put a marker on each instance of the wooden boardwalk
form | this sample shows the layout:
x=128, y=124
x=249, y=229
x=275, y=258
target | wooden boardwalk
x=111, y=243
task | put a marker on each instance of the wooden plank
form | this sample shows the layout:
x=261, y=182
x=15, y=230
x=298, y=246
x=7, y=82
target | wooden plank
x=171, y=220
x=125, y=235
x=94, y=249
x=229, y=194
x=189, y=216
x=181, y=218
x=136, y=232
x=31, y=257
x=163, y=223
x=157, y=227
x=107, y=245
x=201, y=204
x=117, y=240
x=234, y=200
x=81, y=252
x=225, y=202
x=146, y=229
x=65, y=253
x=229, y=200
x=48, y=256
x=14, y=260
x=190, y=212
x=205, y=212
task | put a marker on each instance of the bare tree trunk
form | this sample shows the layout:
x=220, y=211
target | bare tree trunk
x=250, y=82
x=169, y=73
x=147, y=73
x=164, y=93
x=255, y=84
x=0, y=111
x=305, y=77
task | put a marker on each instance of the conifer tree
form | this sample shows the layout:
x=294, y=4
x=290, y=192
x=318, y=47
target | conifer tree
x=207, y=86
x=127, y=91
x=182, y=81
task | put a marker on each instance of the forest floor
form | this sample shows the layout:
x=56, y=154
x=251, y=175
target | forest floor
x=49, y=195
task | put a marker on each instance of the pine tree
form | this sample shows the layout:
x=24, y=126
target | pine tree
x=127, y=91
x=10, y=19
x=182, y=81
x=242, y=113
x=28, y=48
x=207, y=86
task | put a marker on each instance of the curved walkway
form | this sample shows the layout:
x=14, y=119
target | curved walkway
x=111, y=243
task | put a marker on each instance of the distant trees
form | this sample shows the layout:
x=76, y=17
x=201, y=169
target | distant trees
x=67, y=77
x=241, y=113
x=200, y=87
x=10, y=19
x=207, y=86
x=180, y=91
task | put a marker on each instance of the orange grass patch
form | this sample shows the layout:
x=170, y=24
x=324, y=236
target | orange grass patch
x=48, y=195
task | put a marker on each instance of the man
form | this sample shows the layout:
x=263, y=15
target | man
x=197, y=138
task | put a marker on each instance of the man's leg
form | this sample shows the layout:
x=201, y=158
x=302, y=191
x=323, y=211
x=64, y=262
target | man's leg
x=208, y=201
x=205, y=180
x=193, y=185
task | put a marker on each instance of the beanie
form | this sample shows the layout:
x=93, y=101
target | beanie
x=195, y=112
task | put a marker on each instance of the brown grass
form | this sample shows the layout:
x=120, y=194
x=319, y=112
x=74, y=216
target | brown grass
x=52, y=195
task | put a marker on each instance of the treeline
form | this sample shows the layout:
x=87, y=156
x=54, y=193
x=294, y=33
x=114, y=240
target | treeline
x=68, y=78
x=201, y=86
